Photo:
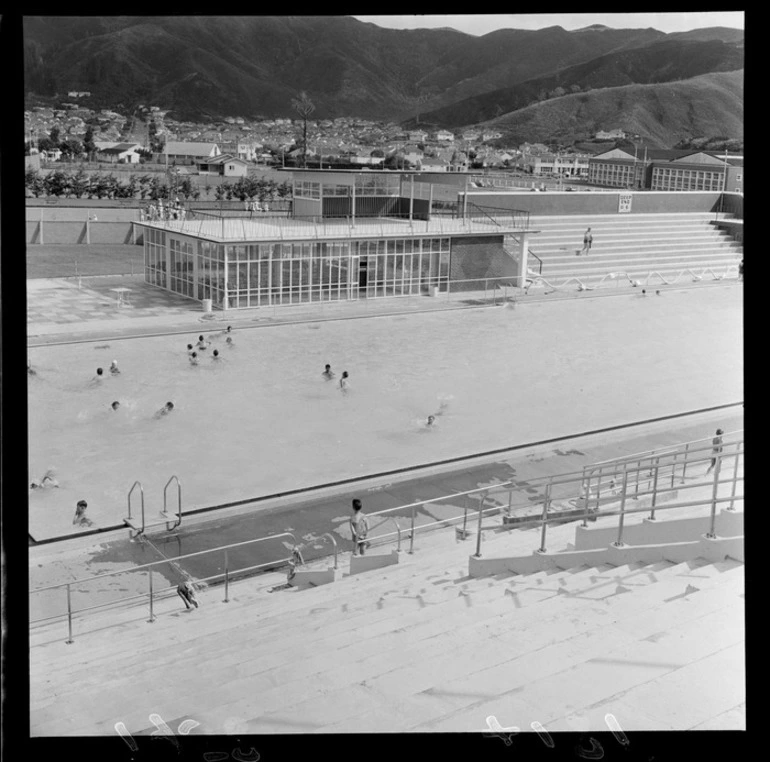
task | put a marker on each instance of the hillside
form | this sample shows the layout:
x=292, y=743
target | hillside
x=711, y=104
x=659, y=62
x=252, y=66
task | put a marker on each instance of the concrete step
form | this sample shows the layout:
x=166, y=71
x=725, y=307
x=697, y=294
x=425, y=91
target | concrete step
x=588, y=671
x=315, y=647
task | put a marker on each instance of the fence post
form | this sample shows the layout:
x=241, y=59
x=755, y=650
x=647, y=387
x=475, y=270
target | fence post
x=735, y=476
x=619, y=542
x=673, y=470
x=587, y=495
x=227, y=580
x=655, y=487
x=411, y=538
x=478, y=538
x=465, y=515
x=152, y=615
x=686, y=456
x=714, y=493
x=69, y=615
x=546, y=505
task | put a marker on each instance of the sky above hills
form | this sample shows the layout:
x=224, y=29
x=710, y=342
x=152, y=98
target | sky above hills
x=478, y=23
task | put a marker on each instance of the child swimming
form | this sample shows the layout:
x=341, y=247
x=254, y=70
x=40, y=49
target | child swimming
x=344, y=386
x=165, y=410
x=48, y=480
x=114, y=368
x=194, y=358
x=328, y=373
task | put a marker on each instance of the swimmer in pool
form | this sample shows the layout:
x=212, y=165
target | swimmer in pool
x=215, y=356
x=30, y=370
x=114, y=368
x=202, y=343
x=328, y=373
x=165, y=410
x=194, y=358
x=48, y=480
x=189, y=349
x=230, y=342
x=99, y=375
x=344, y=386
x=431, y=420
x=115, y=405
x=80, y=515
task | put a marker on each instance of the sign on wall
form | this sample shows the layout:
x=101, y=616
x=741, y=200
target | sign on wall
x=624, y=202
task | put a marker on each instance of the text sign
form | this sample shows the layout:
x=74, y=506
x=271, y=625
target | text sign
x=624, y=202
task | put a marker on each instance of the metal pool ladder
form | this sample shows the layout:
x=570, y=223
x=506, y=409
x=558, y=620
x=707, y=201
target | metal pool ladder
x=171, y=520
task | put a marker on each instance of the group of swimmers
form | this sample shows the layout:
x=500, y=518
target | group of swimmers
x=329, y=374
x=203, y=344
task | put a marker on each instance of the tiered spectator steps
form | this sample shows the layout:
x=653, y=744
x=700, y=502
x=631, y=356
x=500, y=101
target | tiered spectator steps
x=418, y=646
x=637, y=244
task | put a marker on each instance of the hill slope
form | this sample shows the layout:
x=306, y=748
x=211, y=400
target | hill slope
x=254, y=65
x=711, y=104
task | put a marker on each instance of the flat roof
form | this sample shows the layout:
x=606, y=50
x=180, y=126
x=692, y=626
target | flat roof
x=277, y=229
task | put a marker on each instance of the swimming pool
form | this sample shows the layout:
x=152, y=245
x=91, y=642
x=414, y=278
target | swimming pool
x=262, y=420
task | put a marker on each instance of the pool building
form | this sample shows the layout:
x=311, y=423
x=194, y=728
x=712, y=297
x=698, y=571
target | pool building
x=350, y=235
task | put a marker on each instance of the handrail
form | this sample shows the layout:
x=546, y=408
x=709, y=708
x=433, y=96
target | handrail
x=540, y=261
x=641, y=454
x=594, y=514
x=165, y=561
x=325, y=534
x=179, y=502
x=141, y=489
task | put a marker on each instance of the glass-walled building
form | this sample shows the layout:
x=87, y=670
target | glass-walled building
x=352, y=235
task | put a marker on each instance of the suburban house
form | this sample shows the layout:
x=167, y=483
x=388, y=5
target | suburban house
x=224, y=165
x=616, y=134
x=417, y=136
x=445, y=136
x=434, y=164
x=119, y=153
x=179, y=152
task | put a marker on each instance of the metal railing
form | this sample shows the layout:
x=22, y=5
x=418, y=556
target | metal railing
x=626, y=470
x=622, y=278
x=315, y=539
x=170, y=525
x=280, y=228
x=596, y=500
x=152, y=594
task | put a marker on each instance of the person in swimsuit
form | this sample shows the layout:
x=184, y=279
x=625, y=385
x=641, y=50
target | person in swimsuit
x=344, y=386
x=115, y=405
x=165, y=410
x=186, y=592
x=48, y=480
x=114, y=368
x=328, y=373
x=81, y=519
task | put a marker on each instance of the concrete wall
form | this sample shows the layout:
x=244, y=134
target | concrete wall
x=605, y=202
x=727, y=524
x=75, y=232
x=714, y=550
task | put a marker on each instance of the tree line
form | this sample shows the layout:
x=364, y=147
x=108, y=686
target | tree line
x=81, y=184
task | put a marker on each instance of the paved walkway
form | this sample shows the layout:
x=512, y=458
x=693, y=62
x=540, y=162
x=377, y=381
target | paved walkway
x=71, y=309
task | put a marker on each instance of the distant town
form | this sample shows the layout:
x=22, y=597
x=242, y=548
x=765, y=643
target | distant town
x=70, y=135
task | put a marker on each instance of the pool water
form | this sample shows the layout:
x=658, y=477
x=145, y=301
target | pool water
x=263, y=420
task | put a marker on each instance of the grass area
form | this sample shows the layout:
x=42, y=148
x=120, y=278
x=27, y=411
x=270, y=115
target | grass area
x=61, y=261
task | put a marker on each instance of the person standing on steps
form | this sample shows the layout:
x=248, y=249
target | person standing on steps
x=359, y=528
x=588, y=239
x=715, y=450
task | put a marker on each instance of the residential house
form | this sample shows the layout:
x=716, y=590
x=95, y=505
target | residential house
x=445, y=136
x=434, y=164
x=188, y=153
x=120, y=153
x=417, y=136
x=491, y=135
x=224, y=165
x=616, y=134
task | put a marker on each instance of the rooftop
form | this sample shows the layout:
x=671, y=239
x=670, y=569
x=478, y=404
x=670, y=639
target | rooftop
x=282, y=228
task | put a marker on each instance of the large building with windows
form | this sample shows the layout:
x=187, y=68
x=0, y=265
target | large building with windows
x=352, y=235
x=667, y=170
